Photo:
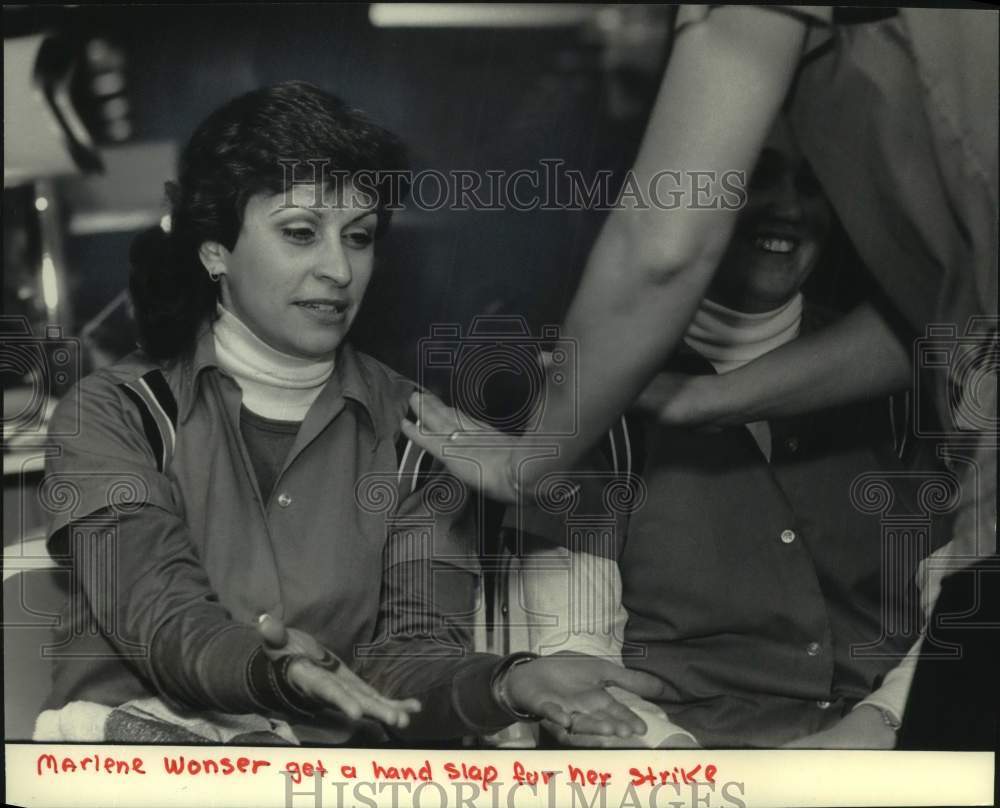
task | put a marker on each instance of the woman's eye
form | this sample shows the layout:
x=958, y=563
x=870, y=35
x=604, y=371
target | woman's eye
x=299, y=235
x=359, y=239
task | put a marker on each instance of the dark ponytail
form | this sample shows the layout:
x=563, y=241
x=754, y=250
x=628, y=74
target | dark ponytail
x=171, y=292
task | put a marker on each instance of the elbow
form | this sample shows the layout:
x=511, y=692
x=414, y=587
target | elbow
x=667, y=256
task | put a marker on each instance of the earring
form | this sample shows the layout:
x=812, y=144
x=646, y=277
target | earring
x=214, y=276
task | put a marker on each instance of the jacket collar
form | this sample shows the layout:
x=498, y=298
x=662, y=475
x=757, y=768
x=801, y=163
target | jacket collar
x=348, y=380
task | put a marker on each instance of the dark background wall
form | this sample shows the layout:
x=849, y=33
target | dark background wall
x=461, y=99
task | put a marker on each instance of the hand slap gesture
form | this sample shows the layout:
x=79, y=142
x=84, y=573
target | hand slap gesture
x=321, y=677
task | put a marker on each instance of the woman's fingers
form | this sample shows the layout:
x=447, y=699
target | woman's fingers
x=345, y=691
x=553, y=712
x=638, y=682
x=323, y=686
x=272, y=631
x=595, y=722
x=378, y=705
x=625, y=717
x=326, y=679
x=558, y=732
x=435, y=417
x=279, y=640
x=383, y=711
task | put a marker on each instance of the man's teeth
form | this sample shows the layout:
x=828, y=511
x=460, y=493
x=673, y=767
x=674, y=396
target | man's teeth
x=775, y=245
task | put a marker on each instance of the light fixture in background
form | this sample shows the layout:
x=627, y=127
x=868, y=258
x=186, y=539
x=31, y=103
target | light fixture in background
x=50, y=286
x=51, y=262
x=109, y=108
x=480, y=15
x=44, y=134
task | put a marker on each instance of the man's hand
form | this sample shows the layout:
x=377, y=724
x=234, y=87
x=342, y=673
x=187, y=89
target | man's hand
x=569, y=691
x=322, y=677
x=863, y=728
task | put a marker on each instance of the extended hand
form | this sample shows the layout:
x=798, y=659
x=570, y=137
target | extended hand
x=570, y=691
x=322, y=677
x=479, y=455
x=863, y=728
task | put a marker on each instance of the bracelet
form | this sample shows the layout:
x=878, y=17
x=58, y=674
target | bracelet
x=498, y=684
x=267, y=680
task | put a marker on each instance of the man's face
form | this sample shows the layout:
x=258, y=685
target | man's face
x=780, y=233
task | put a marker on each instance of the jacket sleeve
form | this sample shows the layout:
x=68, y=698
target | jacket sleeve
x=113, y=519
x=423, y=645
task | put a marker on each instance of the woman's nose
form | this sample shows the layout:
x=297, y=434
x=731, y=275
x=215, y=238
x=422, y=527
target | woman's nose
x=334, y=265
x=786, y=198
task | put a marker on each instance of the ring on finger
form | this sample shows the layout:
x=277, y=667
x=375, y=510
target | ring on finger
x=328, y=661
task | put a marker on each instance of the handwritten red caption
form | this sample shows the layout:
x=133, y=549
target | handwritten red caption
x=481, y=775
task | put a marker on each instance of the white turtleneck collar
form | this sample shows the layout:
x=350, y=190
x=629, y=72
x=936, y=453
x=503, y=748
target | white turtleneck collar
x=275, y=385
x=730, y=339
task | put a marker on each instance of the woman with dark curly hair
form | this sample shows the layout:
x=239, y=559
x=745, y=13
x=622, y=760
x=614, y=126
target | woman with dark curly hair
x=245, y=535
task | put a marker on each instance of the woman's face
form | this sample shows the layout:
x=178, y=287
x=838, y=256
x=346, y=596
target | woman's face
x=298, y=272
x=780, y=234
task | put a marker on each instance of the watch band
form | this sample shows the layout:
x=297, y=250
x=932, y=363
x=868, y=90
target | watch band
x=269, y=686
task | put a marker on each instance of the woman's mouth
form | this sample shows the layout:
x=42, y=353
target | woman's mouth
x=328, y=311
x=776, y=244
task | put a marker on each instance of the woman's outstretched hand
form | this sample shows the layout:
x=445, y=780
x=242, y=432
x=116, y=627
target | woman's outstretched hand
x=570, y=691
x=324, y=678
